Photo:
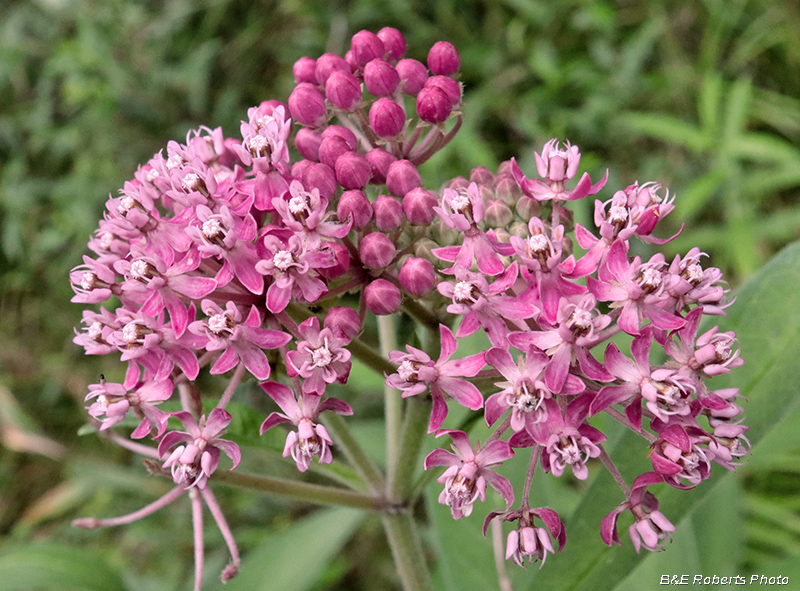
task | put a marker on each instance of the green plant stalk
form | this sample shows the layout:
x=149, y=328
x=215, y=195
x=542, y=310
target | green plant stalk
x=355, y=454
x=393, y=403
x=407, y=551
x=303, y=491
x=370, y=358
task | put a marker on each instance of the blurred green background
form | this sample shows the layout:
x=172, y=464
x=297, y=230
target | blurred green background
x=701, y=96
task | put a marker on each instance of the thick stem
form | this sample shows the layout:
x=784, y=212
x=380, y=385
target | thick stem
x=401, y=478
x=303, y=491
x=370, y=358
x=498, y=544
x=393, y=403
x=355, y=454
x=409, y=558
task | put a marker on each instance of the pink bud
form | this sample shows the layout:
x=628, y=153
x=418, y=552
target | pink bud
x=498, y=214
x=506, y=188
x=417, y=276
x=366, y=46
x=342, y=265
x=393, y=42
x=413, y=75
x=380, y=78
x=331, y=147
x=386, y=118
x=327, y=64
x=382, y=297
x=433, y=105
x=343, y=90
x=267, y=108
x=343, y=318
x=304, y=69
x=352, y=171
x=342, y=132
x=356, y=205
x=481, y=175
x=307, y=105
x=388, y=213
x=298, y=168
x=380, y=160
x=443, y=59
x=527, y=207
x=450, y=87
x=322, y=177
x=402, y=177
x=457, y=183
x=376, y=250
x=307, y=141
x=351, y=61
x=418, y=206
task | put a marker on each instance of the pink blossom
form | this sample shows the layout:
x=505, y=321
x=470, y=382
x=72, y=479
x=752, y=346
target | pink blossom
x=320, y=358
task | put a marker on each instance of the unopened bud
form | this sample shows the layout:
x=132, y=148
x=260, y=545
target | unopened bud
x=344, y=319
x=298, y=168
x=450, y=87
x=322, y=177
x=307, y=142
x=304, y=70
x=443, y=59
x=380, y=78
x=342, y=265
x=354, y=204
x=386, y=118
x=402, y=177
x=343, y=90
x=376, y=250
x=380, y=160
x=327, y=64
x=352, y=171
x=481, y=176
x=388, y=213
x=307, y=105
x=366, y=46
x=498, y=214
x=433, y=105
x=393, y=42
x=331, y=147
x=528, y=208
x=342, y=132
x=417, y=276
x=413, y=75
x=382, y=297
x=507, y=189
x=418, y=206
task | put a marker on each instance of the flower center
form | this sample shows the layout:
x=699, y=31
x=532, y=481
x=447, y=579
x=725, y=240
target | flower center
x=221, y=324
x=134, y=333
x=321, y=357
x=693, y=274
x=465, y=293
x=408, y=371
x=214, y=231
x=143, y=271
x=282, y=260
x=649, y=279
x=259, y=146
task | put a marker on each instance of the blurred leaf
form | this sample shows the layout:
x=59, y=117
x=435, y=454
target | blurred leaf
x=292, y=560
x=708, y=105
x=667, y=128
x=56, y=567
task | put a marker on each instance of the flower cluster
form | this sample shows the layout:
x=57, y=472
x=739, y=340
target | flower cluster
x=264, y=255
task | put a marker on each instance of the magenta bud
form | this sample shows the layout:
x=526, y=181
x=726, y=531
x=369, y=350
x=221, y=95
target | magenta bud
x=527, y=207
x=506, y=188
x=457, y=183
x=354, y=204
x=376, y=250
x=351, y=61
x=342, y=132
x=298, y=168
x=413, y=75
x=481, y=175
x=327, y=64
x=307, y=105
x=343, y=90
x=331, y=147
x=380, y=78
x=380, y=160
x=498, y=214
x=342, y=265
x=417, y=276
x=418, y=206
x=443, y=59
x=386, y=118
x=382, y=297
x=304, y=70
x=322, y=177
x=433, y=105
x=393, y=42
x=450, y=87
x=344, y=319
x=229, y=157
x=388, y=213
x=366, y=46
x=307, y=142
x=352, y=171
x=268, y=107
x=402, y=177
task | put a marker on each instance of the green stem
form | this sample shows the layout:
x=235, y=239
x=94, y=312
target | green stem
x=401, y=478
x=370, y=358
x=355, y=454
x=409, y=558
x=303, y=491
x=393, y=403
x=421, y=314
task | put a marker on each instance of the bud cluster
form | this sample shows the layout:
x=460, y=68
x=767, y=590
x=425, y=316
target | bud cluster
x=220, y=251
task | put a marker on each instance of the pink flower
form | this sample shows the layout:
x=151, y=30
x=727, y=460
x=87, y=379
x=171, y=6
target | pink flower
x=311, y=439
x=528, y=540
x=417, y=372
x=193, y=464
x=113, y=402
x=468, y=473
x=320, y=358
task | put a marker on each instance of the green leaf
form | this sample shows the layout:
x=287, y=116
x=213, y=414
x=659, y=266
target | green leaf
x=667, y=128
x=293, y=559
x=56, y=567
x=768, y=327
x=708, y=104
